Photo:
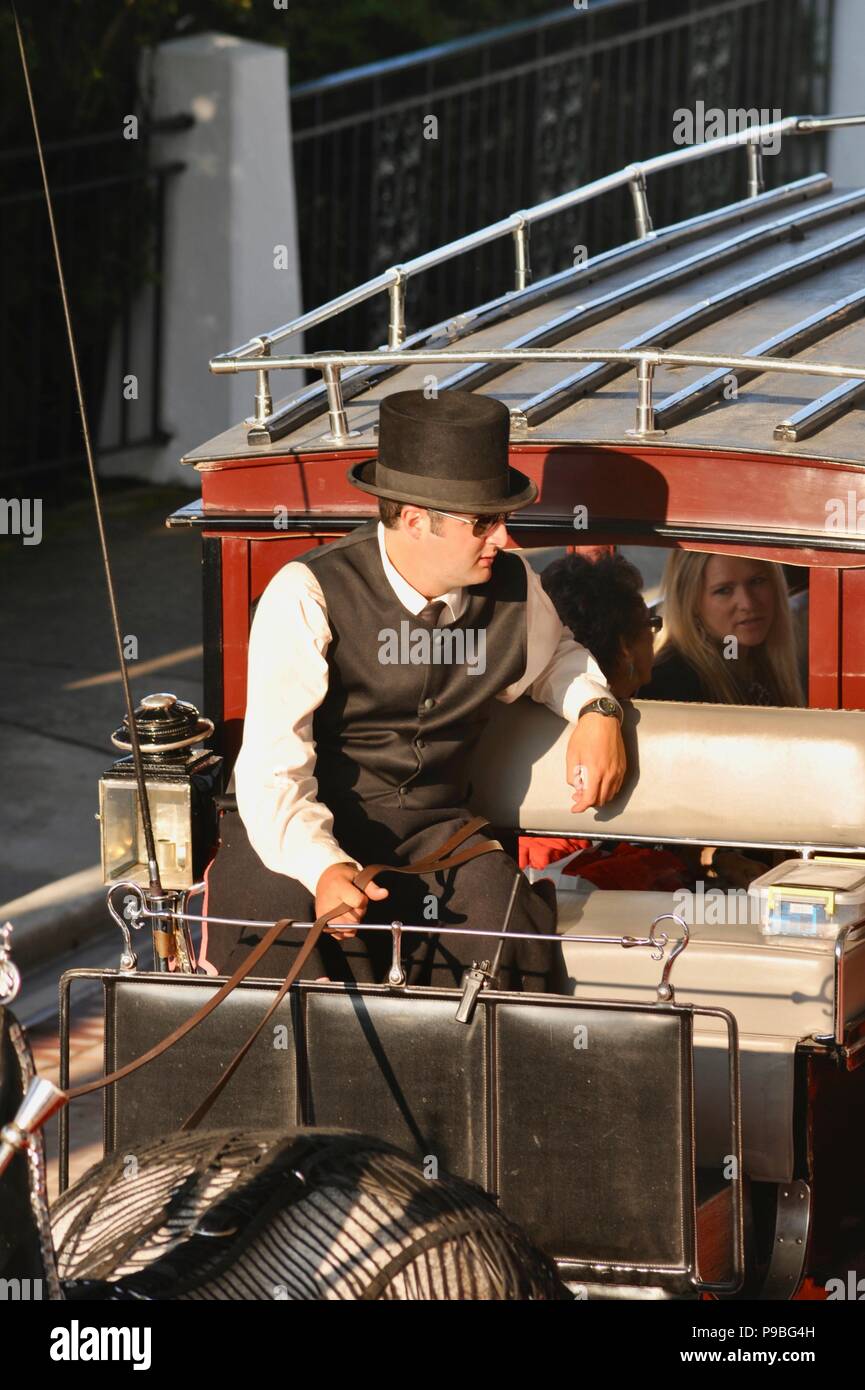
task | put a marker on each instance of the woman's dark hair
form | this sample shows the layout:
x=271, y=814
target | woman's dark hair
x=600, y=601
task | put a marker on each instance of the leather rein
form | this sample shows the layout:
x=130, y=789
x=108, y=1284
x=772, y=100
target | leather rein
x=447, y=856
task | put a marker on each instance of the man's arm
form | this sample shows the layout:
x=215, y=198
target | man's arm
x=564, y=675
x=290, y=830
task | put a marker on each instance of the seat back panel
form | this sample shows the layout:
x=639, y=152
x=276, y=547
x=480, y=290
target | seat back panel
x=157, y=1099
x=402, y=1069
x=593, y=1144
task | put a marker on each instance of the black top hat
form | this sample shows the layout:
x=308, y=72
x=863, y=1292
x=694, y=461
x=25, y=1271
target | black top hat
x=448, y=451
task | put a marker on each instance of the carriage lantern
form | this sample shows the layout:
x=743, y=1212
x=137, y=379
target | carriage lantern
x=181, y=779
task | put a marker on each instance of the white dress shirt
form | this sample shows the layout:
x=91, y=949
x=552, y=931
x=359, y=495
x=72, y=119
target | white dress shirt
x=291, y=831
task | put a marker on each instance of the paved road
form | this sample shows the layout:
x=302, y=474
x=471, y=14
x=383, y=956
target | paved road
x=60, y=695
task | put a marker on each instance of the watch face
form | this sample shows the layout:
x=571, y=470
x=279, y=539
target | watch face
x=607, y=706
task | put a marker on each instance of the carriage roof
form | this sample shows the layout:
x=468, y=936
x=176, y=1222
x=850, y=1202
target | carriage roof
x=675, y=321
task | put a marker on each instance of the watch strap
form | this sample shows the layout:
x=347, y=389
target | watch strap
x=597, y=707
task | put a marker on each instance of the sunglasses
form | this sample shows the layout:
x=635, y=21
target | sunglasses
x=481, y=525
x=655, y=622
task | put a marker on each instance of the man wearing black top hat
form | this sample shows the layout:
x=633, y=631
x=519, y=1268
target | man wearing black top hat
x=373, y=662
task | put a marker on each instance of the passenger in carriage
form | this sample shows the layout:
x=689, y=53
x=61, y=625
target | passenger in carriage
x=602, y=603
x=728, y=634
x=707, y=599
x=354, y=749
x=728, y=638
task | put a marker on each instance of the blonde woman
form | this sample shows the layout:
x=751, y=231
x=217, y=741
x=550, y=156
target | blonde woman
x=727, y=639
x=728, y=633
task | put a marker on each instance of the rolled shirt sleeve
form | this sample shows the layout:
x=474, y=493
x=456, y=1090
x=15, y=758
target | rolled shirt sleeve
x=560, y=673
x=288, y=827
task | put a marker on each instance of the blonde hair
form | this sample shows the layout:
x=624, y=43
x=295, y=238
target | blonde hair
x=773, y=664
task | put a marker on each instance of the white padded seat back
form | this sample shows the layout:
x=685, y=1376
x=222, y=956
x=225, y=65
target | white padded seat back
x=700, y=773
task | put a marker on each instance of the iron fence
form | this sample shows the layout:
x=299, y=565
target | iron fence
x=401, y=156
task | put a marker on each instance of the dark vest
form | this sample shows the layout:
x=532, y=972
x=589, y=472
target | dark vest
x=403, y=709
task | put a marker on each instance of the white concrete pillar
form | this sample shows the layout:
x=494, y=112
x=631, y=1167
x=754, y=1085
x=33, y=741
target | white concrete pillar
x=231, y=260
x=846, y=162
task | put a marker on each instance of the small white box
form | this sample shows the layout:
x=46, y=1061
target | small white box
x=810, y=897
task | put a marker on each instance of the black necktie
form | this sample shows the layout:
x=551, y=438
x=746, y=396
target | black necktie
x=431, y=614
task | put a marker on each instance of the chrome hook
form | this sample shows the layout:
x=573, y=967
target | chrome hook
x=130, y=916
x=666, y=993
x=656, y=942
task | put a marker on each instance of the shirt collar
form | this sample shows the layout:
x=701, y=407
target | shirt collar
x=409, y=597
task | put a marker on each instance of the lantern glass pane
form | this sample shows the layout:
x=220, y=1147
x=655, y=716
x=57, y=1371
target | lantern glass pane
x=123, y=851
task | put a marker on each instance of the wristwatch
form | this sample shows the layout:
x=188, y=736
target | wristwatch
x=604, y=705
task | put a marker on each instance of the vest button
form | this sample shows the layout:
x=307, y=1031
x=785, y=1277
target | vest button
x=419, y=743
x=429, y=704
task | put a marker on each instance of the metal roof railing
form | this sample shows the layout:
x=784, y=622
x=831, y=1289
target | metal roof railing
x=250, y=355
x=646, y=360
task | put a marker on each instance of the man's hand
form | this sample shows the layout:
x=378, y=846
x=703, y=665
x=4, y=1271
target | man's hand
x=595, y=761
x=335, y=886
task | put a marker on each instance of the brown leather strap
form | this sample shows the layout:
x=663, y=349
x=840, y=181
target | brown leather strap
x=442, y=858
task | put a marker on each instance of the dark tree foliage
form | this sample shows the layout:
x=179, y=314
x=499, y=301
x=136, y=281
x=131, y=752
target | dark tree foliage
x=84, y=53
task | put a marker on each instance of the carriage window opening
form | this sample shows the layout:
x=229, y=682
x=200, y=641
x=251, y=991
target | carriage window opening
x=734, y=631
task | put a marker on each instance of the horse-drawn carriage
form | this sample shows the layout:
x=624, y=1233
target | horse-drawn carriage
x=684, y=1114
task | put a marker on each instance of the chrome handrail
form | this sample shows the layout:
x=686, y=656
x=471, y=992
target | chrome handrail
x=518, y=225
x=645, y=359
x=656, y=944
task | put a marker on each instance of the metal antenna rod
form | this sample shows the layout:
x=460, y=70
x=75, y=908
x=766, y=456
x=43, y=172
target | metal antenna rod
x=150, y=844
x=497, y=961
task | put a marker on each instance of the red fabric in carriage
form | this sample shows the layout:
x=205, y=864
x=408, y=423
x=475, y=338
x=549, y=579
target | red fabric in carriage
x=623, y=866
